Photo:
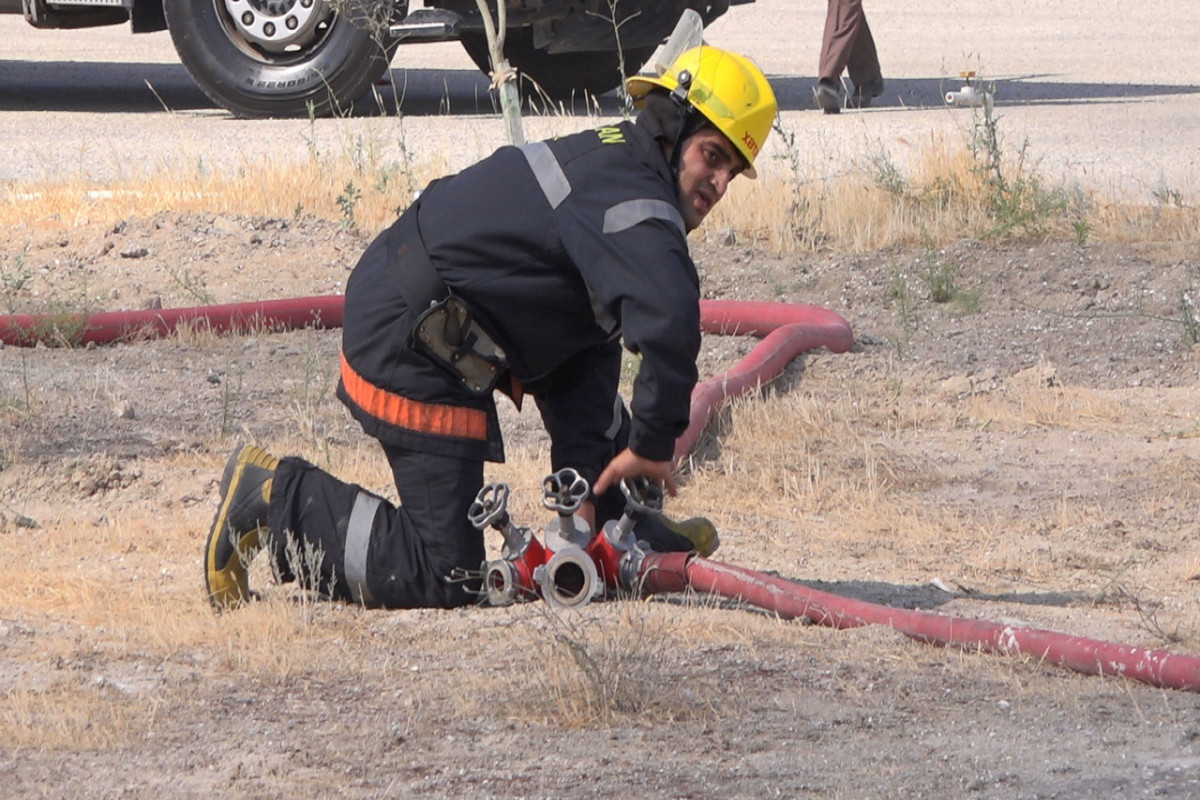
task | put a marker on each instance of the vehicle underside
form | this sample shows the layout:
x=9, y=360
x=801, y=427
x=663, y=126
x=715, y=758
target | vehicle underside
x=278, y=58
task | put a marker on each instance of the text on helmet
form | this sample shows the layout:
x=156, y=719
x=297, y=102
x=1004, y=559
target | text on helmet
x=750, y=142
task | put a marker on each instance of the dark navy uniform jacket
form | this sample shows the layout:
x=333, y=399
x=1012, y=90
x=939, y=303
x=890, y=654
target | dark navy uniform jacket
x=564, y=249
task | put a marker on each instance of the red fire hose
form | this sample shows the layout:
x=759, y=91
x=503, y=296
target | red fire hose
x=825, y=328
x=788, y=330
x=115, y=326
x=675, y=572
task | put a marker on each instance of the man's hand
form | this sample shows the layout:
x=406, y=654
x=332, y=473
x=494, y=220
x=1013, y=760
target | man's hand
x=628, y=464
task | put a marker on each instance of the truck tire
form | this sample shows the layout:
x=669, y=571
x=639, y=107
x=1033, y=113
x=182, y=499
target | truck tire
x=562, y=76
x=282, y=58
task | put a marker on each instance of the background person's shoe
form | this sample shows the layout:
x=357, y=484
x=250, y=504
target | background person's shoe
x=239, y=526
x=828, y=97
x=862, y=95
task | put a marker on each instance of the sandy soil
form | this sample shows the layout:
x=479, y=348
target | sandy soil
x=1033, y=448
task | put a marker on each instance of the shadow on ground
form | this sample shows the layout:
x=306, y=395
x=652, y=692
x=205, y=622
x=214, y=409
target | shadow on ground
x=795, y=92
x=924, y=597
x=119, y=87
x=144, y=88
x=928, y=596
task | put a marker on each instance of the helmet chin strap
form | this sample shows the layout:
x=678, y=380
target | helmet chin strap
x=687, y=114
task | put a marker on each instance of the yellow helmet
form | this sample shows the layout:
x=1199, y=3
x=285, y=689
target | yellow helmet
x=728, y=89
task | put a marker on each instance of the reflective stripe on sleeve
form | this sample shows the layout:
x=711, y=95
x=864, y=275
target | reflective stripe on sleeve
x=626, y=214
x=548, y=172
x=436, y=418
x=605, y=320
x=358, y=540
x=615, y=427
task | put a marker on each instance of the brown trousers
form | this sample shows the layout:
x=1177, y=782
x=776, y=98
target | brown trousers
x=848, y=44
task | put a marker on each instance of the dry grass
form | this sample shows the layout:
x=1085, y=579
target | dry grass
x=1039, y=405
x=360, y=179
x=75, y=714
x=848, y=462
x=125, y=591
x=597, y=669
x=950, y=193
x=117, y=594
x=832, y=461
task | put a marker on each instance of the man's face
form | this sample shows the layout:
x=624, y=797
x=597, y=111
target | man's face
x=708, y=163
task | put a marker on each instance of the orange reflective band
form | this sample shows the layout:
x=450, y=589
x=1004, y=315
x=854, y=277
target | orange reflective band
x=443, y=420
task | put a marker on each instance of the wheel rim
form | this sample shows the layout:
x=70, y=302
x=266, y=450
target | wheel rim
x=271, y=30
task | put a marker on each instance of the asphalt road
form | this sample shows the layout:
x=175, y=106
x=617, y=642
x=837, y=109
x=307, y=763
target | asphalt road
x=1104, y=93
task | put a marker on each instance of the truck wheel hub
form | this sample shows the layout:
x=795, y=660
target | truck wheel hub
x=278, y=26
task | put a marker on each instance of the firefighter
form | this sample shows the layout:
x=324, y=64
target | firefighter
x=523, y=273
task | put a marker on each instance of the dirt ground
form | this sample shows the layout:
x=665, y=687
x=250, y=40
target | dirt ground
x=1027, y=451
x=1024, y=449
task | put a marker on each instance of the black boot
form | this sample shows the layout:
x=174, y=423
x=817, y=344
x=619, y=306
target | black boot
x=665, y=535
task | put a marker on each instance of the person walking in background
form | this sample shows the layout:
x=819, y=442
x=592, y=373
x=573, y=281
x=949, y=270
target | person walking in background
x=847, y=45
